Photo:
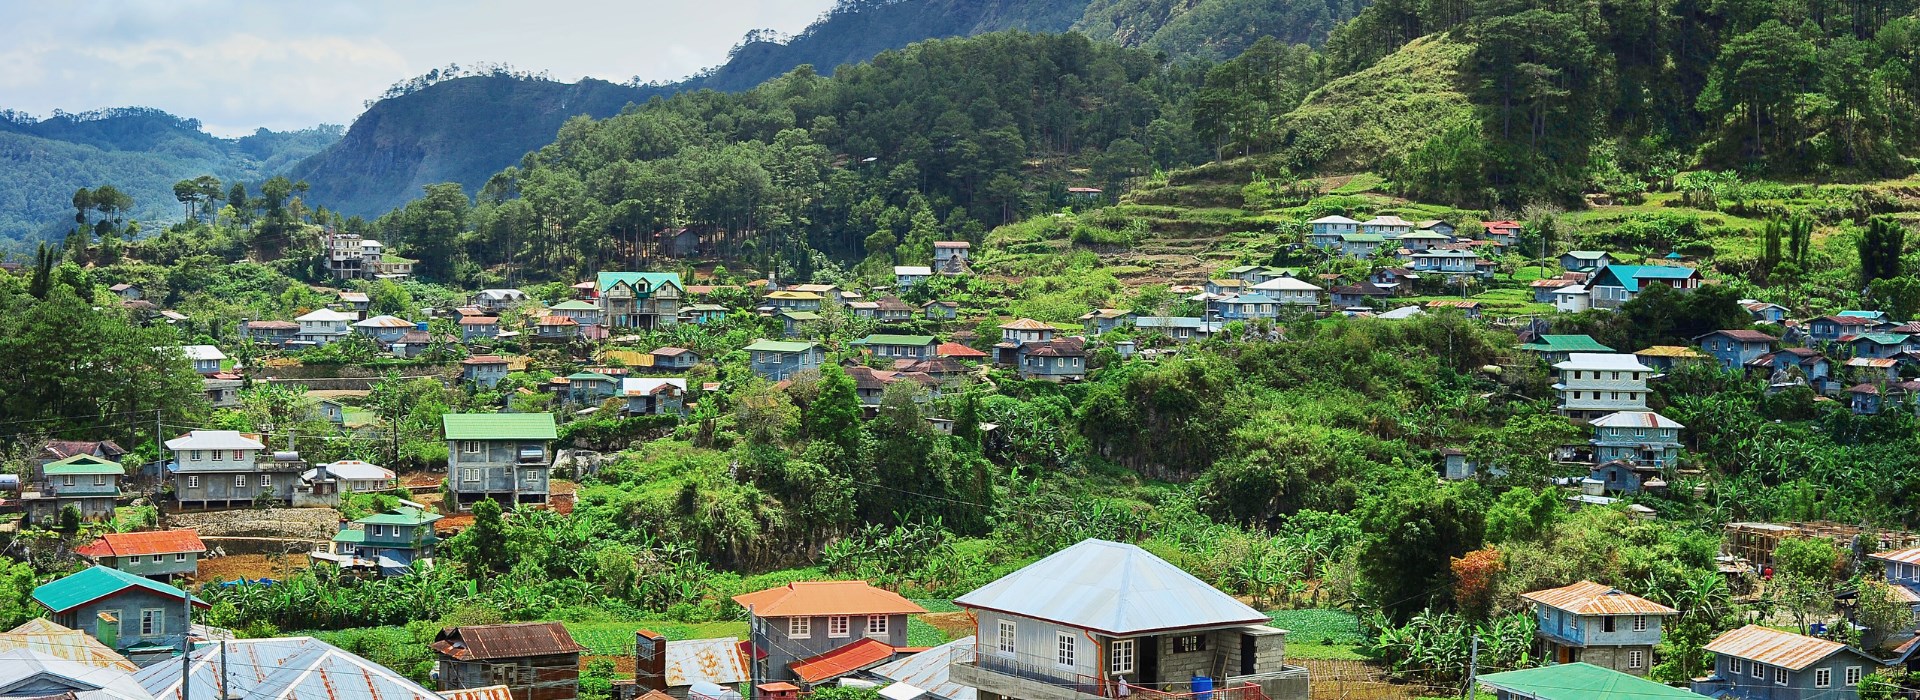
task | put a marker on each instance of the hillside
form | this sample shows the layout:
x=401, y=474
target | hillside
x=460, y=130
x=1214, y=29
x=1385, y=111
x=141, y=151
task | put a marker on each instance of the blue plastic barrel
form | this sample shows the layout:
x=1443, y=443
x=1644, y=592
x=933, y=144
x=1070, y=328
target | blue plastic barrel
x=1203, y=687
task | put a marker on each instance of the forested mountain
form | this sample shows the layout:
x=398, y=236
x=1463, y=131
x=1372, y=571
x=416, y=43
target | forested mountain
x=1215, y=29
x=460, y=130
x=142, y=152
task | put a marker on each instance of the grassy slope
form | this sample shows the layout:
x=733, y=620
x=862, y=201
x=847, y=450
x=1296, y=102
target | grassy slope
x=1388, y=109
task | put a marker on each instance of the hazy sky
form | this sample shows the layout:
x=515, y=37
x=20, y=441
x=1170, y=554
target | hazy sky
x=240, y=64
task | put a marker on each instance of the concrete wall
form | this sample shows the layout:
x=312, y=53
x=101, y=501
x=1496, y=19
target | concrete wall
x=771, y=635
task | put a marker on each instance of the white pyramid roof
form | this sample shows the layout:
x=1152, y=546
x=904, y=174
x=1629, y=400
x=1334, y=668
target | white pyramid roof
x=1114, y=588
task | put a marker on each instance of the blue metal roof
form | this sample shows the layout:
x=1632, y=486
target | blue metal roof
x=283, y=668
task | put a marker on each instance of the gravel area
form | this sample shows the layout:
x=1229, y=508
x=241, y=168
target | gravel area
x=295, y=523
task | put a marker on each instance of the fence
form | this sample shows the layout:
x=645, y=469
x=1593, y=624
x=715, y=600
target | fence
x=1046, y=670
x=1362, y=680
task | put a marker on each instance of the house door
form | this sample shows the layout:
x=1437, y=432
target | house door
x=1149, y=667
x=1246, y=655
x=1566, y=654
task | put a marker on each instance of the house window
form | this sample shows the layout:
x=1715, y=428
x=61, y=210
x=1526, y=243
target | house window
x=1122, y=655
x=1063, y=649
x=216, y=455
x=265, y=481
x=1852, y=675
x=1822, y=677
x=239, y=455
x=1779, y=676
x=240, y=481
x=1736, y=666
x=1639, y=623
x=1006, y=637
x=1189, y=644
x=470, y=446
x=1757, y=671
x=99, y=480
x=470, y=474
x=876, y=624
x=66, y=480
x=837, y=626
x=531, y=476
x=799, y=627
x=193, y=482
x=1636, y=659
x=193, y=455
x=180, y=556
x=152, y=622
x=1606, y=623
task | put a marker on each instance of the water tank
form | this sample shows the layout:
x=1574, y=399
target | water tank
x=421, y=326
x=1203, y=687
x=10, y=482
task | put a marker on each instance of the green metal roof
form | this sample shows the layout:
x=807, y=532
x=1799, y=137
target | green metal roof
x=1884, y=338
x=1566, y=343
x=94, y=584
x=801, y=315
x=886, y=339
x=780, y=346
x=83, y=465
x=1363, y=238
x=499, y=426
x=400, y=516
x=589, y=377
x=654, y=280
x=574, y=305
x=351, y=536
x=1583, y=681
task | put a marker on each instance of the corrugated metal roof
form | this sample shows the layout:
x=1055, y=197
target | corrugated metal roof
x=715, y=661
x=96, y=583
x=492, y=692
x=1910, y=555
x=834, y=663
x=1669, y=351
x=44, y=636
x=1582, y=681
x=282, y=668
x=499, y=426
x=31, y=673
x=1636, y=419
x=1773, y=647
x=1111, y=587
x=128, y=544
x=810, y=598
x=1589, y=598
x=927, y=670
x=1603, y=361
x=505, y=641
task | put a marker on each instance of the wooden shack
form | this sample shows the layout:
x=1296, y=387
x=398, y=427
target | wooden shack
x=535, y=660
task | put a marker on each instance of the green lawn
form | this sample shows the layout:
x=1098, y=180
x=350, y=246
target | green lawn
x=1320, y=634
x=616, y=638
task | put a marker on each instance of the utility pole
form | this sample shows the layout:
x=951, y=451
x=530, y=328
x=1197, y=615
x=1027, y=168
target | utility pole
x=186, y=650
x=1473, y=668
x=224, y=693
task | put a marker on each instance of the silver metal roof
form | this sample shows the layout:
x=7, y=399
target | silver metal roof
x=25, y=673
x=1111, y=587
x=927, y=671
x=283, y=668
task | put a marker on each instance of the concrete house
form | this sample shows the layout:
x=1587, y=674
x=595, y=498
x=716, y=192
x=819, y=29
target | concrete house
x=142, y=619
x=1614, y=285
x=1577, y=681
x=950, y=257
x=225, y=468
x=89, y=484
x=327, y=484
x=1584, y=260
x=1593, y=385
x=905, y=276
x=275, y=333
x=654, y=396
x=502, y=456
x=323, y=326
x=1765, y=312
x=479, y=328
x=1100, y=619
x=1735, y=348
x=798, y=628
x=1325, y=232
x=1762, y=663
x=1597, y=624
x=1389, y=226
x=160, y=554
x=384, y=330
x=639, y=299
x=1100, y=321
x=534, y=660
x=390, y=543
x=1637, y=437
x=776, y=360
x=483, y=370
x=1287, y=291
x=1828, y=329
x=673, y=358
x=1557, y=348
x=494, y=301
x=894, y=347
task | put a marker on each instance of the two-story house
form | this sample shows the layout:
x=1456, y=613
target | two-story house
x=790, y=300
x=803, y=623
x=1325, y=232
x=501, y=456
x=896, y=347
x=1447, y=261
x=639, y=299
x=1827, y=329
x=86, y=483
x=1100, y=321
x=484, y=370
x=906, y=276
x=1422, y=240
x=1642, y=438
x=390, y=543
x=950, y=257
x=534, y=660
x=1557, y=348
x=1289, y=291
x=1597, y=624
x=274, y=333
x=224, y=468
x=160, y=554
x=323, y=326
x=1613, y=285
x=1387, y=225
x=672, y=358
x=479, y=328
x=1503, y=233
x=654, y=396
x=1247, y=307
x=494, y=301
x=1762, y=663
x=222, y=388
x=1877, y=345
x=1735, y=348
x=776, y=360
x=142, y=619
x=1593, y=385
x=1101, y=620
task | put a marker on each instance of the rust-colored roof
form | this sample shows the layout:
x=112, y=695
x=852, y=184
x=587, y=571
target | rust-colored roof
x=811, y=598
x=778, y=687
x=1865, y=389
x=62, y=449
x=1773, y=647
x=1746, y=336
x=135, y=544
x=44, y=636
x=839, y=662
x=557, y=321
x=1026, y=324
x=957, y=350
x=1669, y=351
x=1589, y=598
x=479, y=320
x=492, y=692
x=273, y=325
x=484, y=360
x=505, y=641
x=1910, y=555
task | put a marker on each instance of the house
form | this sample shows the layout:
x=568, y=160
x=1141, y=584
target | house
x=226, y=467
x=794, y=323
x=1388, y=226
x=1325, y=232
x=803, y=624
x=1088, y=621
x=1447, y=262
x=1804, y=366
x=905, y=276
x=1593, y=623
x=1360, y=245
x=1100, y=321
x=1556, y=348
x=1864, y=399
x=1765, y=312
x=42, y=635
x=891, y=309
x=776, y=360
x=1900, y=567
x=671, y=670
x=142, y=619
x=86, y=483
x=1762, y=663
x=1062, y=359
x=1623, y=477
x=160, y=554
x=1223, y=287
x=654, y=396
x=1247, y=307
x=356, y=302
x=1399, y=280
x=1543, y=289
x=703, y=314
x=1584, y=260
x=584, y=313
x=1435, y=225
x=1880, y=319
x=127, y=291
x=886, y=346
x=1287, y=291
x=555, y=328
x=479, y=328
x=535, y=660
x=926, y=672
x=1832, y=328
x=1882, y=345
x=640, y=299
x=1419, y=241
x=323, y=326
x=1180, y=328
x=959, y=351
x=483, y=370
x=1577, y=681
x=391, y=543
x=325, y=485
x=494, y=301
x=950, y=257
x=1593, y=385
x=300, y=668
x=1735, y=348
x=275, y=333
x=1455, y=466
x=1663, y=358
x=1874, y=369
x=222, y=388
x=502, y=456
x=1363, y=294
x=1614, y=285
x=590, y=387
x=1467, y=307
x=794, y=301
x=384, y=330
x=940, y=310
x=1572, y=299
x=1503, y=233
x=29, y=672
x=674, y=358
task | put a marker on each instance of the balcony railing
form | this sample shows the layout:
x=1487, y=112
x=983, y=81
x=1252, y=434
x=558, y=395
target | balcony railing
x=1046, y=670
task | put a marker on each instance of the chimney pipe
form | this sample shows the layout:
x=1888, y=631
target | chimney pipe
x=650, y=661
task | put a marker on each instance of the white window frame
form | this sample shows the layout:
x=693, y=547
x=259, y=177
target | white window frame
x=1823, y=678
x=1780, y=676
x=839, y=626
x=266, y=480
x=1007, y=635
x=532, y=476
x=193, y=481
x=1756, y=670
x=179, y=556
x=66, y=480
x=799, y=628
x=470, y=474
x=1736, y=666
x=153, y=622
x=158, y=558
x=193, y=455
x=239, y=481
x=1639, y=623
x=99, y=480
x=876, y=624
x=470, y=447
x=1065, y=647
x=1636, y=658
x=1121, y=655
x=216, y=456
x=1851, y=676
